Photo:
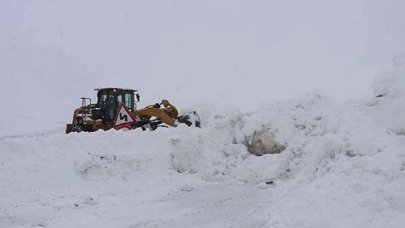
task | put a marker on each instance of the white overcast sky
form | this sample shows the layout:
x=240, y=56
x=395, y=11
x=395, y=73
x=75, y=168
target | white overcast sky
x=235, y=52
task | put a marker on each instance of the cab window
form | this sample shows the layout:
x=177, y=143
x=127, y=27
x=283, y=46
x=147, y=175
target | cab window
x=119, y=98
x=128, y=100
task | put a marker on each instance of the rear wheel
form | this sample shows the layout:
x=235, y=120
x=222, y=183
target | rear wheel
x=78, y=125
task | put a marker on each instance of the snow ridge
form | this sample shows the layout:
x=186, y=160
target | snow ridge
x=343, y=166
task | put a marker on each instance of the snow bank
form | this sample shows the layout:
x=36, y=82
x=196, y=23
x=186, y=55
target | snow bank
x=322, y=164
x=342, y=165
x=387, y=108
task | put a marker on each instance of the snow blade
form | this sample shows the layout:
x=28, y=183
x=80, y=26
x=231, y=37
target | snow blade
x=190, y=119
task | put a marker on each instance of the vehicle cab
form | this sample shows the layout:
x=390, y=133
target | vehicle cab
x=109, y=100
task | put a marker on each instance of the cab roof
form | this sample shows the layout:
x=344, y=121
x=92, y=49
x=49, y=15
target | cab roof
x=116, y=89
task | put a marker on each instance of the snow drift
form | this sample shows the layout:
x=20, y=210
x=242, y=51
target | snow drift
x=337, y=165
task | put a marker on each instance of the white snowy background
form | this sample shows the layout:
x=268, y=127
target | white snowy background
x=306, y=71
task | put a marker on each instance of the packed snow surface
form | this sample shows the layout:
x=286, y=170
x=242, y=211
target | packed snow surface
x=343, y=166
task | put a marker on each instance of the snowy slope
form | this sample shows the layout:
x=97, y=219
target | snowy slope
x=343, y=166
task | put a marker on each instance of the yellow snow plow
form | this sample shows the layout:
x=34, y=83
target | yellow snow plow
x=117, y=108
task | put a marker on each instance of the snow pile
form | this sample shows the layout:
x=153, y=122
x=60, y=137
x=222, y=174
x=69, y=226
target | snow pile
x=388, y=107
x=341, y=165
x=308, y=162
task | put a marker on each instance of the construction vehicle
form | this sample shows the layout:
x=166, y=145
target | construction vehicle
x=116, y=108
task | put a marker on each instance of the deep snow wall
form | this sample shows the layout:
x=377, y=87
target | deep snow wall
x=343, y=162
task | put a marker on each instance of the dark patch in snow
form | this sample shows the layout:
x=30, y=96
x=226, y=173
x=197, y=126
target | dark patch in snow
x=263, y=142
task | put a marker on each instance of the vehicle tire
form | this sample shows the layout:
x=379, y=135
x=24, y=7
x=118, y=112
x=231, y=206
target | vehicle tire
x=78, y=125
